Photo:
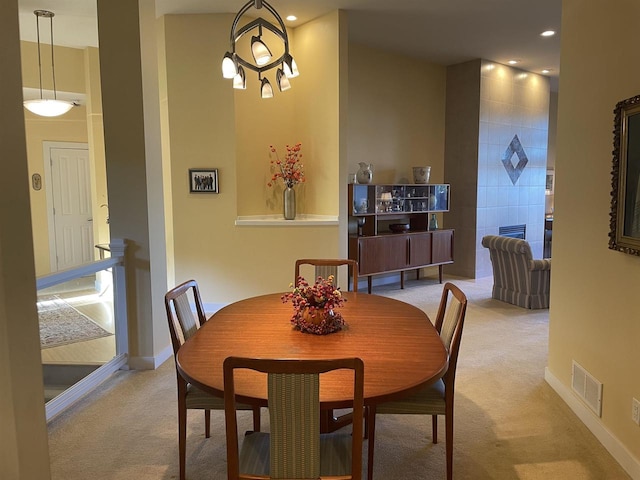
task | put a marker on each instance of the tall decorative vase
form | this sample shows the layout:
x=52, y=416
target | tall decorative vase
x=289, y=203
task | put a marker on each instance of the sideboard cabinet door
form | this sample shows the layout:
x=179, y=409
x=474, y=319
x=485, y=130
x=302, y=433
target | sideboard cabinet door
x=382, y=253
x=442, y=246
x=419, y=249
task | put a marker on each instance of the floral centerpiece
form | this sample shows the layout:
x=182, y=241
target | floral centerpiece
x=290, y=170
x=314, y=306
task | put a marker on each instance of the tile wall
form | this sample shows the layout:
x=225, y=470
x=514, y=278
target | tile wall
x=510, y=165
x=514, y=123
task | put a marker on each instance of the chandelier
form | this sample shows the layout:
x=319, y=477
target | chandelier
x=233, y=64
x=47, y=107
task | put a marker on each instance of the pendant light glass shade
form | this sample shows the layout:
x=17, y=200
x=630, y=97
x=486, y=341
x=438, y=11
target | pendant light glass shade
x=240, y=80
x=229, y=67
x=290, y=67
x=266, y=90
x=249, y=30
x=47, y=107
x=260, y=51
x=283, y=81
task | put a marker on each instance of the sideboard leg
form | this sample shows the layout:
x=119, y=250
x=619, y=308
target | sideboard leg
x=402, y=279
x=440, y=273
x=369, y=283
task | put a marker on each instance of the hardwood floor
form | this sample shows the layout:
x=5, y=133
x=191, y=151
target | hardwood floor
x=98, y=306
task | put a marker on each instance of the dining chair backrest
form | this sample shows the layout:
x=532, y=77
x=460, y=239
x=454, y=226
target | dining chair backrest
x=449, y=322
x=325, y=267
x=293, y=388
x=183, y=323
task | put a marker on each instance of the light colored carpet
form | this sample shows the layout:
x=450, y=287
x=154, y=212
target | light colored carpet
x=61, y=324
x=509, y=423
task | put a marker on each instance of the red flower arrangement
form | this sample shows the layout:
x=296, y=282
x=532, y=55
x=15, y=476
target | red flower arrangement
x=313, y=306
x=290, y=170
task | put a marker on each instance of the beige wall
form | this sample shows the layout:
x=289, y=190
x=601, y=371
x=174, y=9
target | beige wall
x=396, y=114
x=71, y=127
x=232, y=134
x=593, y=316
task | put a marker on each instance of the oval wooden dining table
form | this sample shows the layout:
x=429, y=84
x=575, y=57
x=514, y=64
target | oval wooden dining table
x=401, y=350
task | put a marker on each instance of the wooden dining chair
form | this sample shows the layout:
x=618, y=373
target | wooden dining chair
x=182, y=325
x=436, y=399
x=326, y=267
x=294, y=448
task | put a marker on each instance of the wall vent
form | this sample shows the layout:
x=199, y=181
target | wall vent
x=587, y=387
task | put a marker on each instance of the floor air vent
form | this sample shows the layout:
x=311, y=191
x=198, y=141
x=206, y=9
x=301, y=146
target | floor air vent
x=587, y=387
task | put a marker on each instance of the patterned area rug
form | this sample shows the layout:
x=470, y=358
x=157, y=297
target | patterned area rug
x=61, y=324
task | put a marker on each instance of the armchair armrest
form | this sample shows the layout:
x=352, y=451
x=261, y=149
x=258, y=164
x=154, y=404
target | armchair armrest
x=544, y=264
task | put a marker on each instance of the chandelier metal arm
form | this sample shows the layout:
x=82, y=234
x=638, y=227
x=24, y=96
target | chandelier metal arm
x=259, y=23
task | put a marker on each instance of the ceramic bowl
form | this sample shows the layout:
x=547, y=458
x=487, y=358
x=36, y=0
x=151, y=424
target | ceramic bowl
x=399, y=227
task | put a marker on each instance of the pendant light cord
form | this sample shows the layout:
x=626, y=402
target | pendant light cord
x=53, y=67
x=39, y=57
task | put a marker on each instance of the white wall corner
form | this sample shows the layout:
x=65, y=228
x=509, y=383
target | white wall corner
x=619, y=452
x=151, y=363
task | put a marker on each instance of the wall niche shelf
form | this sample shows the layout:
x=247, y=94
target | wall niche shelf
x=378, y=249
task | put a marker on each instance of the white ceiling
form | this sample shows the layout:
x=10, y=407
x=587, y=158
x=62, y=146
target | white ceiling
x=440, y=31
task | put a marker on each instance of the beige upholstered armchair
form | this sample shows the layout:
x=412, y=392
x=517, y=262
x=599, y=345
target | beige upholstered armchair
x=518, y=278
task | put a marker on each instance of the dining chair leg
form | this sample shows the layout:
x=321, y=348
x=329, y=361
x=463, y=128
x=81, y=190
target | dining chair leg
x=371, y=422
x=182, y=437
x=366, y=423
x=207, y=423
x=434, y=428
x=448, y=420
x=256, y=419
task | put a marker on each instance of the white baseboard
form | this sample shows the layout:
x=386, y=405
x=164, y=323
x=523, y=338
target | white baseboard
x=75, y=392
x=619, y=452
x=151, y=363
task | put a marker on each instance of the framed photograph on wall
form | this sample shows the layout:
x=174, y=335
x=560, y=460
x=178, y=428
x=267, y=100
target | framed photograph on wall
x=203, y=180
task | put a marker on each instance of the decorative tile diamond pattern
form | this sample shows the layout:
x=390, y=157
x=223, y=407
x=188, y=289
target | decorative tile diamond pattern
x=514, y=147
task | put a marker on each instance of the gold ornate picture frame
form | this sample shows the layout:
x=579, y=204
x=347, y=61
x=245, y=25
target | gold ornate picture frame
x=624, y=235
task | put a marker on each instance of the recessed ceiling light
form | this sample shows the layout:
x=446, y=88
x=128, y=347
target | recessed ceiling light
x=513, y=62
x=546, y=70
x=292, y=18
x=548, y=33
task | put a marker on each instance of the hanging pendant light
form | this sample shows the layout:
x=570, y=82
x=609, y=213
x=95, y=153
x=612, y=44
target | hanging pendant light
x=262, y=61
x=240, y=80
x=283, y=81
x=47, y=107
x=266, y=90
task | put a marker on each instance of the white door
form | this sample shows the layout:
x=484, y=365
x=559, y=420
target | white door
x=71, y=195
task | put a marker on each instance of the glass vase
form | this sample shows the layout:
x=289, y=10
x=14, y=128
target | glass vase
x=433, y=223
x=289, y=203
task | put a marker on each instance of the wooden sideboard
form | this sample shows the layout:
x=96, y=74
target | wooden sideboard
x=378, y=250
